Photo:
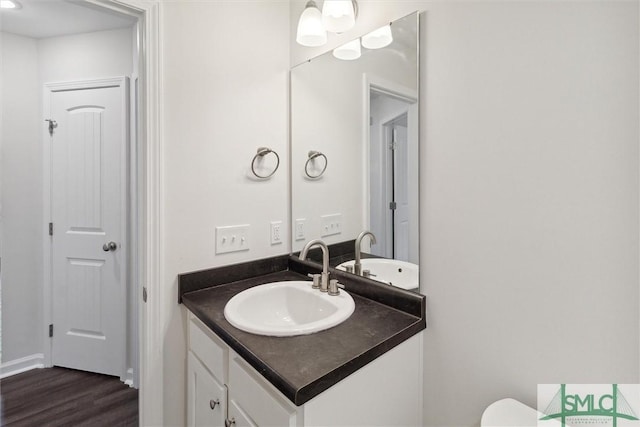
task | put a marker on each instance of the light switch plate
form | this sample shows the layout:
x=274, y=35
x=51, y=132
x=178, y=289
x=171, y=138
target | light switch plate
x=331, y=224
x=233, y=238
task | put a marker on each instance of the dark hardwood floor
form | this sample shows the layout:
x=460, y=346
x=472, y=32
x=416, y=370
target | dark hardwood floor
x=65, y=397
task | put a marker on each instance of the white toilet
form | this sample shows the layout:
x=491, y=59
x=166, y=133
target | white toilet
x=509, y=412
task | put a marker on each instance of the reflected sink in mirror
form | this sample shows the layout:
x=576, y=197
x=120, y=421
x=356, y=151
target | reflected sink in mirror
x=393, y=272
x=288, y=308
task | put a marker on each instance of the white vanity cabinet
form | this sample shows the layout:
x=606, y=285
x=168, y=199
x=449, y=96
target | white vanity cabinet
x=385, y=392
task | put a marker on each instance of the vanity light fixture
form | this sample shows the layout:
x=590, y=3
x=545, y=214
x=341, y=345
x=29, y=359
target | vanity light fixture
x=348, y=51
x=9, y=4
x=376, y=39
x=337, y=16
x=379, y=38
x=310, y=30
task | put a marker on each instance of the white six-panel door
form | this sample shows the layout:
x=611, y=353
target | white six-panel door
x=88, y=211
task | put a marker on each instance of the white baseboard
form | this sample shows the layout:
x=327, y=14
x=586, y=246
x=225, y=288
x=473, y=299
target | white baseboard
x=23, y=364
x=36, y=361
x=128, y=378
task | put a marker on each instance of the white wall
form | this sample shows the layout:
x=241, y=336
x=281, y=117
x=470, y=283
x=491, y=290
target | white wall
x=326, y=116
x=86, y=56
x=529, y=196
x=27, y=64
x=225, y=78
x=532, y=204
x=21, y=224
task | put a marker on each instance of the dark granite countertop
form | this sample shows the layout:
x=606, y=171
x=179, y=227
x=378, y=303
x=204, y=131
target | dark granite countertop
x=302, y=367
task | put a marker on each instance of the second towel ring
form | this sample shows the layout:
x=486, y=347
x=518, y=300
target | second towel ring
x=312, y=155
x=263, y=151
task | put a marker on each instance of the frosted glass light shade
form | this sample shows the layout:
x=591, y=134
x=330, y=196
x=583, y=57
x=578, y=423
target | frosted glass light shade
x=338, y=16
x=348, y=51
x=310, y=30
x=9, y=4
x=378, y=39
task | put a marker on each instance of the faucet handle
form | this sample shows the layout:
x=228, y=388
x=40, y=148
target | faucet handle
x=368, y=273
x=316, y=280
x=333, y=287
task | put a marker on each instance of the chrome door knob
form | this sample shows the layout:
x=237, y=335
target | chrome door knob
x=111, y=246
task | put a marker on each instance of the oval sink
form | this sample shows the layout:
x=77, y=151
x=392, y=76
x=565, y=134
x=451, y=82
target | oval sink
x=402, y=274
x=287, y=308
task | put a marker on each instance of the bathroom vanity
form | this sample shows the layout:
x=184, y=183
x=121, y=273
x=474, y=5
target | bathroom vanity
x=365, y=371
x=349, y=119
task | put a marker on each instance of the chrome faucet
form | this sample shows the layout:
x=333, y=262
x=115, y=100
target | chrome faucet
x=357, y=267
x=324, y=279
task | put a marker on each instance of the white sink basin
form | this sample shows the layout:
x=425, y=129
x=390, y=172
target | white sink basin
x=402, y=274
x=283, y=309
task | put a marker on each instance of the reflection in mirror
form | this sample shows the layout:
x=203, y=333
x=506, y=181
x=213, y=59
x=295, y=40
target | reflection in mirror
x=362, y=115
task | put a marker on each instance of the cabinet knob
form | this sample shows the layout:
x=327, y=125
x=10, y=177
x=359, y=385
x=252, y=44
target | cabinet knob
x=229, y=422
x=214, y=403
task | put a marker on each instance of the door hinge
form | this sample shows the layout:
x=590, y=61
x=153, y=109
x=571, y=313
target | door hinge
x=50, y=229
x=392, y=205
x=52, y=125
x=144, y=294
x=51, y=330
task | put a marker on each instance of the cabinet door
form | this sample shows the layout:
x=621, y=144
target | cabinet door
x=206, y=398
x=237, y=416
x=258, y=400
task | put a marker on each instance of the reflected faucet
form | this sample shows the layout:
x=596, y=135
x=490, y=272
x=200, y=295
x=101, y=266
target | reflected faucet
x=357, y=267
x=324, y=280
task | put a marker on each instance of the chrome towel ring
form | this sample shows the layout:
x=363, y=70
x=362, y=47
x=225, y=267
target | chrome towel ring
x=263, y=151
x=313, y=155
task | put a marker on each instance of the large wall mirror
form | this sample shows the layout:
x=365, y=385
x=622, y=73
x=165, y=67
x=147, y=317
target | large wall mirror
x=354, y=153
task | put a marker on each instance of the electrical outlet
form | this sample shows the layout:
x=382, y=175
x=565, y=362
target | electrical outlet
x=331, y=224
x=276, y=228
x=300, y=228
x=232, y=238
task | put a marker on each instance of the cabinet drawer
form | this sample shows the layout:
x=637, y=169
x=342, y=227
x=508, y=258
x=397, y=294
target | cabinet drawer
x=207, y=347
x=256, y=398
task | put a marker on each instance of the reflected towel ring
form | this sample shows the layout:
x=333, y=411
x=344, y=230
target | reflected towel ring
x=263, y=151
x=312, y=155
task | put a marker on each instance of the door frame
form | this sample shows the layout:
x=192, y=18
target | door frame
x=49, y=90
x=148, y=176
x=387, y=87
x=390, y=172
x=392, y=216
